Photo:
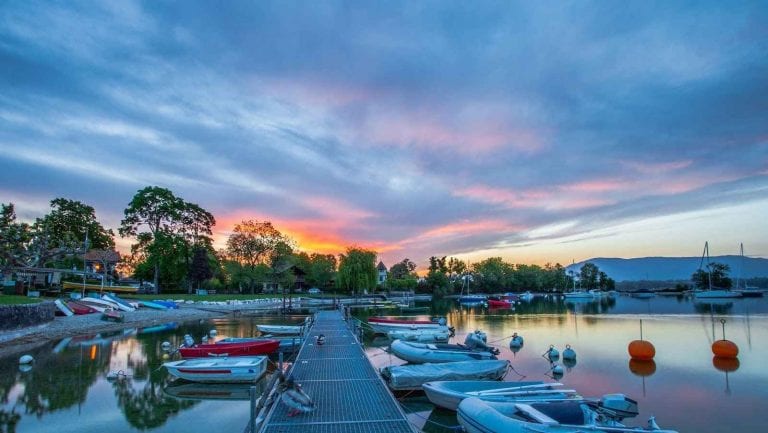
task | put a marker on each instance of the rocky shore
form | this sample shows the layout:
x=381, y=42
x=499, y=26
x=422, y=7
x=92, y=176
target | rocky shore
x=20, y=340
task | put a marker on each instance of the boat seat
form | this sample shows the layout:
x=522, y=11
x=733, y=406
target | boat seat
x=566, y=412
x=534, y=414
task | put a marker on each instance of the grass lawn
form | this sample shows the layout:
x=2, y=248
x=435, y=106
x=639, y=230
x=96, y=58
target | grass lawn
x=16, y=300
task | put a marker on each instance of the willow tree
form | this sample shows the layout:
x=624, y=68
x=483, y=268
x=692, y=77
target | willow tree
x=357, y=270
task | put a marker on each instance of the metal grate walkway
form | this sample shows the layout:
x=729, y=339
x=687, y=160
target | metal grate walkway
x=349, y=395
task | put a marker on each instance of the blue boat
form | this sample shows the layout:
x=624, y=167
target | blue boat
x=154, y=305
x=167, y=304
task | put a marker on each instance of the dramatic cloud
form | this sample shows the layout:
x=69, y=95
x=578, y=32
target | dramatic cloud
x=529, y=130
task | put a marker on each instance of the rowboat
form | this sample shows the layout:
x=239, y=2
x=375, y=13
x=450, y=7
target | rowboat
x=472, y=299
x=102, y=302
x=167, y=304
x=419, y=353
x=80, y=308
x=121, y=303
x=286, y=342
x=63, y=308
x=219, y=370
x=479, y=416
x=499, y=303
x=251, y=348
x=69, y=285
x=96, y=306
x=448, y=394
x=420, y=335
x=411, y=377
x=382, y=325
x=152, y=304
x=280, y=329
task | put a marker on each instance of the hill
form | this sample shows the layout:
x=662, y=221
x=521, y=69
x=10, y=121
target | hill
x=671, y=268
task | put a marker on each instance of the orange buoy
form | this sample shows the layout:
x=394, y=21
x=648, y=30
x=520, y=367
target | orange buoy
x=642, y=368
x=641, y=350
x=725, y=349
x=728, y=365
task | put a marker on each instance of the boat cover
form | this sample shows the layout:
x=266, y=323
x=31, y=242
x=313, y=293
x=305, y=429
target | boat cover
x=406, y=377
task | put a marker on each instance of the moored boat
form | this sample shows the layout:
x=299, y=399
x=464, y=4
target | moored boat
x=499, y=303
x=286, y=342
x=420, y=335
x=62, y=308
x=411, y=377
x=479, y=416
x=382, y=325
x=419, y=353
x=219, y=370
x=448, y=394
x=280, y=329
x=251, y=348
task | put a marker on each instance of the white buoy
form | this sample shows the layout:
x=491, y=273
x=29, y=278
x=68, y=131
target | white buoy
x=557, y=370
x=552, y=353
x=26, y=359
x=569, y=353
x=166, y=346
x=213, y=333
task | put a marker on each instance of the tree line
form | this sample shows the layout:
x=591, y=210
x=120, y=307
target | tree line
x=173, y=248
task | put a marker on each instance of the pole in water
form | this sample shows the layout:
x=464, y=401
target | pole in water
x=253, y=409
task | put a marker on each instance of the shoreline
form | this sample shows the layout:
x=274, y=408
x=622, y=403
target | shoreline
x=19, y=340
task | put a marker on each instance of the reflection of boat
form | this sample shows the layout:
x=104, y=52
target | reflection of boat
x=212, y=391
x=642, y=294
x=418, y=353
x=578, y=295
x=224, y=370
x=478, y=416
x=382, y=325
x=747, y=291
x=250, y=348
x=159, y=328
x=472, y=299
x=411, y=377
x=448, y=394
x=280, y=329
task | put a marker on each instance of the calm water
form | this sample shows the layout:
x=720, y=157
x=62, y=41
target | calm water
x=67, y=390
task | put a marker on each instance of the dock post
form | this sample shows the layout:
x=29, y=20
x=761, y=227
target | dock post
x=253, y=409
x=280, y=361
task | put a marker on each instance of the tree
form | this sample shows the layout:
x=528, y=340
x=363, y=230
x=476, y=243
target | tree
x=437, y=278
x=14, y=238
x=588, y=275
x=494, y=274
x=252, y=242
x=357, y=270
x=172, y=224
x=322, y=270
x=716, y=272
x=403, y=269
x=200, y=268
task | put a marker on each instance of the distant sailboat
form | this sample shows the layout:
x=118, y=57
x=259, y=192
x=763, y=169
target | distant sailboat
x=712, y=293
x=746, y=291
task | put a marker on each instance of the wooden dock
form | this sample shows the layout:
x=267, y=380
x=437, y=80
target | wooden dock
x=349, y=395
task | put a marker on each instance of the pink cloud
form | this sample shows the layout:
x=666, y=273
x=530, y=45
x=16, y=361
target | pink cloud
x=656, y=168
x=597, y=185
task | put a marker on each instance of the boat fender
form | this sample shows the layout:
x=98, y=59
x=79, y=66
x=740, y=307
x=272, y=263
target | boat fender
x=26, y=359
x=569, y=354
x=557, y=370
x=188, y=341
x=441, y=321
x=166, y=346
x=212, y=333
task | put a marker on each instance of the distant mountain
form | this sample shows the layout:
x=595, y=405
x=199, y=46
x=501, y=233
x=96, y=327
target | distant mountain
x=671, y=268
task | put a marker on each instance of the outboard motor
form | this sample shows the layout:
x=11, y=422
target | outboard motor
x=441, y=321
x=476, y=340
x=618, y=406
x=188, y=341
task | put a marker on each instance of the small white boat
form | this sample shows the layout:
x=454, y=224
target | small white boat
x=716, y=294
x=419, y=353
x=478, y=416
x=448, y=394
x=420, y=335
x=280, y=329
x=219, y=370
x=121, y=303
x=411, y=377
x=382, y=325
x=61, y=306
x=527, y=296
x=578, y=295
x=102, y=302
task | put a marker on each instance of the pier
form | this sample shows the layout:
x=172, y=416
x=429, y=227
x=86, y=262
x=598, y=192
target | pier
x=349, y=394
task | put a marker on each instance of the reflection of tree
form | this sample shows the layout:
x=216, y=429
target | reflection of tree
x=148, y=407
x=8, y=421
x=59, y=381
x=713, y=307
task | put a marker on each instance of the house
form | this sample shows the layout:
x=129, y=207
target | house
x=97, y=260
x=382, y=272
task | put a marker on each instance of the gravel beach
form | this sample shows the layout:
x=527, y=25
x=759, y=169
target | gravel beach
x=19, y=340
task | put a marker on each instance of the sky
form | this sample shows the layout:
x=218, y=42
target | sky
x=533, y=131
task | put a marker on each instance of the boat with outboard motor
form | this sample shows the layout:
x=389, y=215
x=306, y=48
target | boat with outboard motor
x=420, y=335
x=474, y=348
x=219, y=370
x=448, y=394
x=411, y=377
x=479, y=416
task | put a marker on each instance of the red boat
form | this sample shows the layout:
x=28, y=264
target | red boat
x=251, y=348
x=80, y=308
x=498, y=303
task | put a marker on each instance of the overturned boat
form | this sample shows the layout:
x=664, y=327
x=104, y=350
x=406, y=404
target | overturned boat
x=448, y=394
x=411, y=377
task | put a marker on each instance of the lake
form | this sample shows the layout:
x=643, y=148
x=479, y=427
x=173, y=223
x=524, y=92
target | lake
x=67, y=389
